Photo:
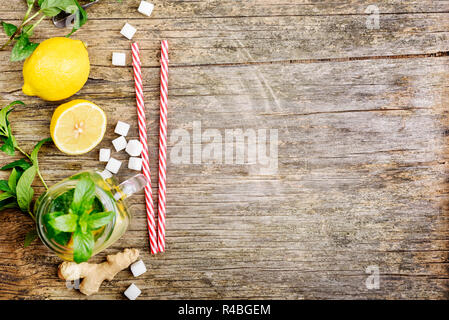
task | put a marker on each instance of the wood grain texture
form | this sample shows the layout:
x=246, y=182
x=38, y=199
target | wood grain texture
x=362, y=167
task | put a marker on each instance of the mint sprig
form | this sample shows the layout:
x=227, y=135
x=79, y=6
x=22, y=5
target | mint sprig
x=16, y=191
x=24, y=192
x=10, y=144
x=23, y=47
x=80, y=220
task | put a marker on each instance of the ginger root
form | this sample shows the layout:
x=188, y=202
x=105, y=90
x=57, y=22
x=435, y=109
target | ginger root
x=92, y=274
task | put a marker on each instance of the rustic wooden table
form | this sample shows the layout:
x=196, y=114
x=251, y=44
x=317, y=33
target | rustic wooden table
x=360, y=177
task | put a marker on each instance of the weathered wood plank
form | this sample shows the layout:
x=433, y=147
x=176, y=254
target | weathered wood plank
x=361, y=181
x=362, y=153
x=213, y=32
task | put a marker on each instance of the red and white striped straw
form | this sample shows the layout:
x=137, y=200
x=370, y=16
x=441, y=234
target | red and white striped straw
x=163, y=147
x=143, y=140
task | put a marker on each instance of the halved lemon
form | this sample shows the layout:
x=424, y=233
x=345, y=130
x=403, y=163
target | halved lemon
x=77, y=126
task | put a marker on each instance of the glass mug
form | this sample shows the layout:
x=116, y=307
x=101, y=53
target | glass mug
x=109, y=196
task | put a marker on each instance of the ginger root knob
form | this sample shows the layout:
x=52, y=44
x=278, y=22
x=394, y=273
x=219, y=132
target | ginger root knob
x=93, y=274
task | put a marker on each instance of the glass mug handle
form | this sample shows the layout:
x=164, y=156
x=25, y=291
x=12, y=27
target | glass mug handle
x=131, y=186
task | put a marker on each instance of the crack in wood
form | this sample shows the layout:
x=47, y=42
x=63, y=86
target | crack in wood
x=438, y=54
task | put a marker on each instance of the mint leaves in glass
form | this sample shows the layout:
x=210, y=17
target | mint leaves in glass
x=76, y=217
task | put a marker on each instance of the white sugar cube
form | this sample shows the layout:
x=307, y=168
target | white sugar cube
x=119, y=143
x=134, y=148
x=105, y=154
x=128, y=31
x=113, y=165
x=122, y=128
x=132, y=292
x=119, y=59
x=138, y=268
x=135, y=163
x=146, y=8
x=105, y=174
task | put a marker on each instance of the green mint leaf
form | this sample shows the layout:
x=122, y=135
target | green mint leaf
x=83, y=221
x=97, y=220
x=51, y=8
x=24, y=191
x=84, y=196
x=4, y=186
x=83, y=226
x=63, y=202
x=4, y=112
x=65, y=223
x=8, y=146
x=22, y=164
x=83, y=244
x=9, y=142
x=28, y=30
x=80, y=18
x=60, y=237
x=51, y=12
x=12, y=181
x=36, y=150
x=66, y=5
x=5, y=196
x=8, y=203
x=30, y=237
x=23, y=48
x=51, y=216
x=9, y=28
x=11, y=137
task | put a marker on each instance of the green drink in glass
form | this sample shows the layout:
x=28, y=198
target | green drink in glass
x=109, y=197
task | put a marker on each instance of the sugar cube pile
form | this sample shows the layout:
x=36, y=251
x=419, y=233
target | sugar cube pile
x=138, y=268
x=132, y=292
x=132, y=147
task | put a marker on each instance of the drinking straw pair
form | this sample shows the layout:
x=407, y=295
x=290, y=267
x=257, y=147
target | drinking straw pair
x=157, y=241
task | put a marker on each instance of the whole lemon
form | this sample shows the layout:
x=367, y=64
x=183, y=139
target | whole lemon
x=57, y=69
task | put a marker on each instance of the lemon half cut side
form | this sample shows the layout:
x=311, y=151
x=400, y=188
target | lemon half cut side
x=78, y=126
